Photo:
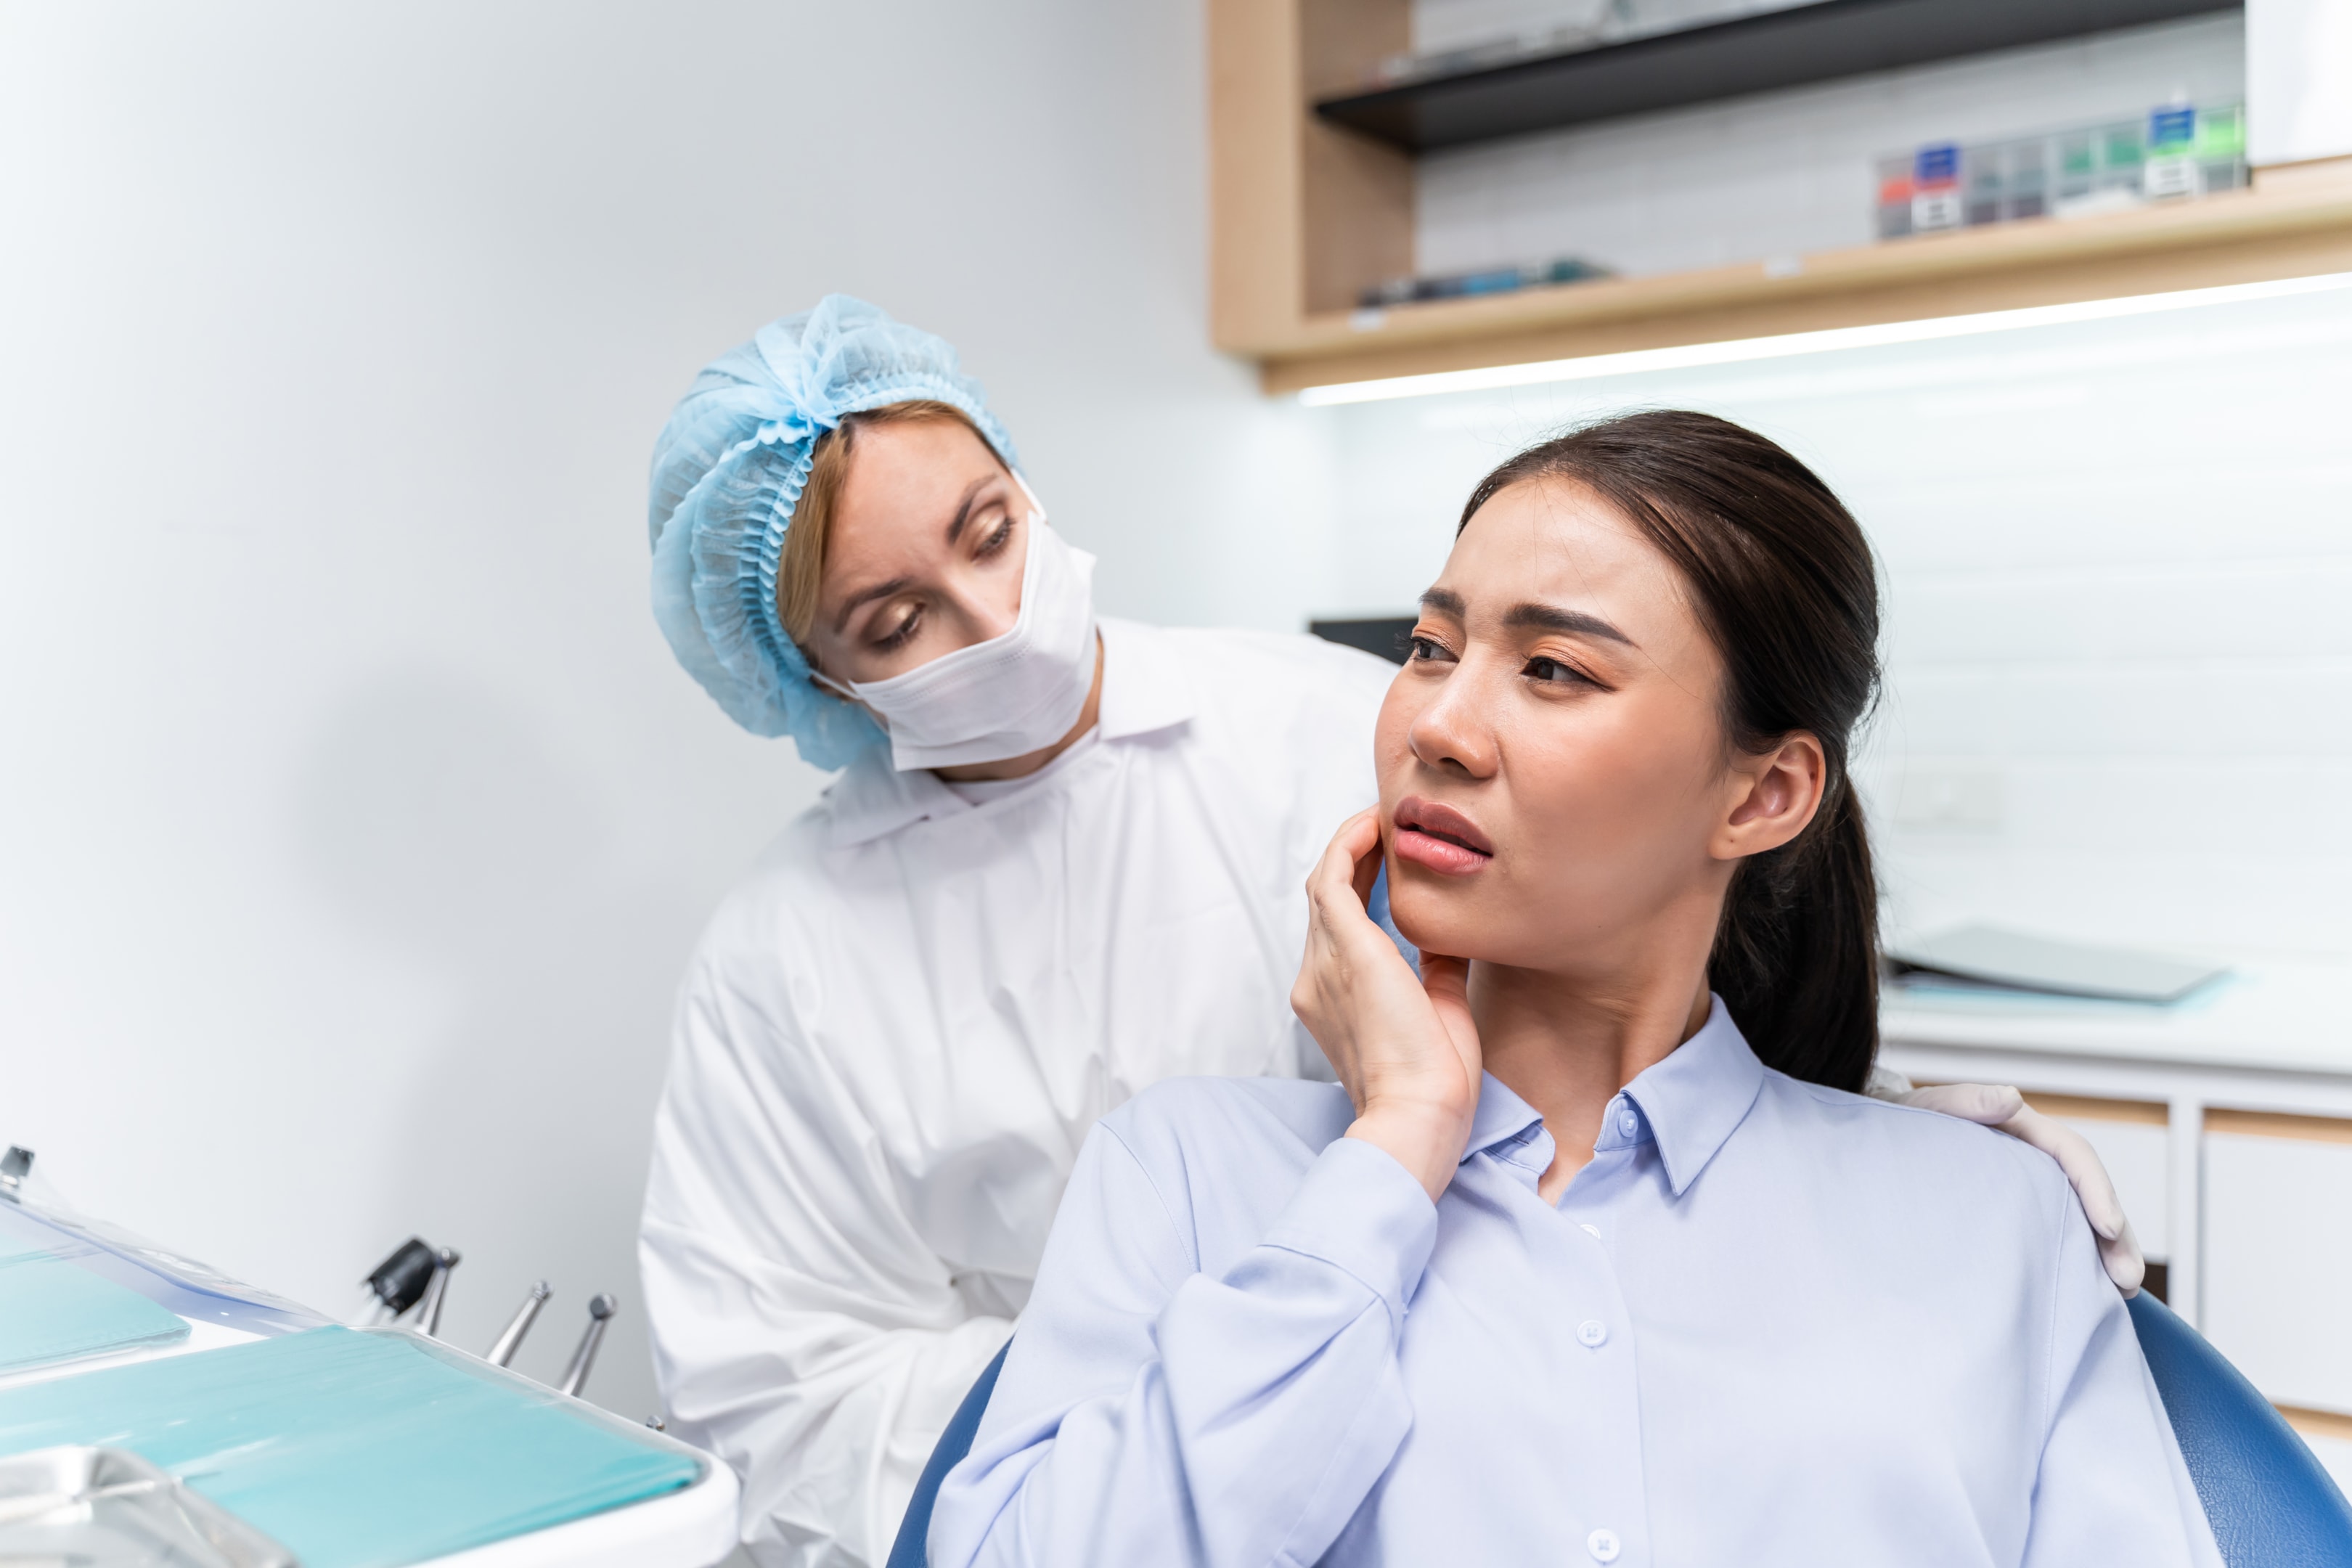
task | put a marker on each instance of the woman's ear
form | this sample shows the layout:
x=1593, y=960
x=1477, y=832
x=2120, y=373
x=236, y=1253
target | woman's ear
x=1773, y=796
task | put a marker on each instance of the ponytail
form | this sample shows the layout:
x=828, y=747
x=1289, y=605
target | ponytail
x=1796, y=958
x=1783, y=582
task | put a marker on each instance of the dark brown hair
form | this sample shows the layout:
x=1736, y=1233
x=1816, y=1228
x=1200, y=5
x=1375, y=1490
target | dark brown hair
x=800, y=573
x=1782, y=581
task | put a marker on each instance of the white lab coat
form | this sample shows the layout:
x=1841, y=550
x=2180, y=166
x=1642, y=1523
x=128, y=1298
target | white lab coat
x=898, y=1030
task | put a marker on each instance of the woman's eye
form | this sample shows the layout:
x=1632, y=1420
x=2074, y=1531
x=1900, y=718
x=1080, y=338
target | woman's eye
x=898, y=639
x=996, y=540
x=1425, y=649
x=1553, y=670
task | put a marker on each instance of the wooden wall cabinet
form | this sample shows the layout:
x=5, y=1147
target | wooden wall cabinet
x=1305, y=216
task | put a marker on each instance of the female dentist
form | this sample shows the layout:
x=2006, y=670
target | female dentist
x=1065, y=858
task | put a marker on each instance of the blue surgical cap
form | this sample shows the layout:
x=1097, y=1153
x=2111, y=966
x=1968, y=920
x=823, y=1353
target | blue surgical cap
x=727, y=471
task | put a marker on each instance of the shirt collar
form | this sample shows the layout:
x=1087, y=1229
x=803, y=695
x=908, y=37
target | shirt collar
x=1502, y=1118
x=1696, y=1098
x=1145, y=689
x=1690, y=1102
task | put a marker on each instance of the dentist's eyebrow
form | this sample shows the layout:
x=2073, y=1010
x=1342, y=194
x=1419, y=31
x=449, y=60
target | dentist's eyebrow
x=1533, y=616
x=864, y=596
x=963, y=509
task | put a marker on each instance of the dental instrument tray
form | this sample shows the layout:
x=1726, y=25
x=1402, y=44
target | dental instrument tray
x=72, y=1289
x=104, y=1508
x=355, y=1449
x=53, y=1309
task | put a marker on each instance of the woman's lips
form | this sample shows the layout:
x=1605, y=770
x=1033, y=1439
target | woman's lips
x=1440, y=838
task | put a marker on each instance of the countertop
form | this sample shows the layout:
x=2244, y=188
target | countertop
x=2268, y=1014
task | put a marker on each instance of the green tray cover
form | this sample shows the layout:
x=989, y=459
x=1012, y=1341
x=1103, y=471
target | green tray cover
x=51, y=1310
x=353, y=1451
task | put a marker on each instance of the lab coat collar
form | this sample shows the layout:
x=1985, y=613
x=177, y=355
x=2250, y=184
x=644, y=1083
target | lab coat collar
x=1696, y=1098
x=1145, y=687
x=1145, y=690
x=1690, y=1101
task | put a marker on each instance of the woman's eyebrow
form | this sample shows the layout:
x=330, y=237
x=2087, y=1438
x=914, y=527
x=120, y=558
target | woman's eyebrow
x=963, y=508
x=850, y=606
x=1533, y=616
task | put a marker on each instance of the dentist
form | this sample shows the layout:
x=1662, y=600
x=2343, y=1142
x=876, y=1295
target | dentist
x=1065, y=858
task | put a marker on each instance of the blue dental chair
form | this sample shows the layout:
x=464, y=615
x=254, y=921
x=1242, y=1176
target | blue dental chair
x=2269, y=1500
x=908, y=1551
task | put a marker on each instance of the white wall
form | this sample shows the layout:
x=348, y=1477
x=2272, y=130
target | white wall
x=2117, y=567
x=354, y=822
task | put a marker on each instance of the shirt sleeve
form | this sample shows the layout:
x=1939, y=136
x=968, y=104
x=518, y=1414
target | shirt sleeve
x=2112, y=1487
x=802, y=1330
x=1151, y=1414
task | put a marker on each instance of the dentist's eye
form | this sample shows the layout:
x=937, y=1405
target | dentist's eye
x=996, y=540
x=899, y=639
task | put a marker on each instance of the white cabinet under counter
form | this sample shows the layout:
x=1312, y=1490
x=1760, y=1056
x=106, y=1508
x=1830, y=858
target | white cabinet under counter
x=2226, y=1122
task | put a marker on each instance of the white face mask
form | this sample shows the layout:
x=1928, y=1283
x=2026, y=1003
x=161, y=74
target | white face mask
x=1010, y=695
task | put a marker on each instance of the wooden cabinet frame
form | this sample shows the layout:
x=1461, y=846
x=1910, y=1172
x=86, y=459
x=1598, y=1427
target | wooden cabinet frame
x=1303, y=216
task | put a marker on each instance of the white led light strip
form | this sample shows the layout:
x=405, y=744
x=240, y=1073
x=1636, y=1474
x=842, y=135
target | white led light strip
x=1789, y=343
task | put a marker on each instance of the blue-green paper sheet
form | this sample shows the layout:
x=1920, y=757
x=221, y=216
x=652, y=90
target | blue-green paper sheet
x=350, y=1450
x=52, y=1309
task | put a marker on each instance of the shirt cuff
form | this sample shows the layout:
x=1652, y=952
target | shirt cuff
x=1359, y=1210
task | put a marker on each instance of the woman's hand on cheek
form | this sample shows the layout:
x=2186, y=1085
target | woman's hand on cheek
x=1404, y=1047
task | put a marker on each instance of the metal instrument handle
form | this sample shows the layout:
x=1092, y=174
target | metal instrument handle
x=510, y=1340
x=437, y=1291
x=600, y=1312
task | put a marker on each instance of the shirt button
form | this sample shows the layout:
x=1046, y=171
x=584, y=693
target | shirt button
x=1592, y=1332
x=1628, y=1123
x=1591, y=1230
x=1602, y=1544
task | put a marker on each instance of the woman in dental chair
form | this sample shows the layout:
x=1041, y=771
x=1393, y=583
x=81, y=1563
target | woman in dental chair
x=1596, y=1253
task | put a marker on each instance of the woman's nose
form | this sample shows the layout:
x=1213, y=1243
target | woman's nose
x=988, y=614
x=1451, y=733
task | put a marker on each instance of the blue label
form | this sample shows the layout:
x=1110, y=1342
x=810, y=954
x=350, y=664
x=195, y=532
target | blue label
x=1937, y=165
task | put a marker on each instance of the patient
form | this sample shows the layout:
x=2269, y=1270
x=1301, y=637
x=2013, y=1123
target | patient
x=1596, y=1253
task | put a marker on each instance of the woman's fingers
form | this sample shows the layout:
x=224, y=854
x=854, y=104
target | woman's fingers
x=1342, y=884
x=1404, y=1044
x=1344, y=858
x=1351, y=975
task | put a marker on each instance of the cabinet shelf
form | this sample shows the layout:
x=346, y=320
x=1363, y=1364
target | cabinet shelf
x=1307, y=215
x=2284, y=227
x=1764, y=52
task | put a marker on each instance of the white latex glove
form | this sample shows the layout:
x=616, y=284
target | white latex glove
x=2000, y=1107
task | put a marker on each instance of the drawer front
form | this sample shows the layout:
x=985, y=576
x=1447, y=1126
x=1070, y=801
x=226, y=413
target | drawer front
x=2278, y=1253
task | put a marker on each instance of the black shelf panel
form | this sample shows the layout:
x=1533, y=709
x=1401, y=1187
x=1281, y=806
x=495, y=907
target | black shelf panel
x=1383, y=635
x=1761, y=53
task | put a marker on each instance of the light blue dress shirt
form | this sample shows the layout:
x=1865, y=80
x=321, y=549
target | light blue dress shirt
x=1769, y=1323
